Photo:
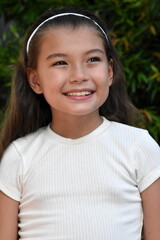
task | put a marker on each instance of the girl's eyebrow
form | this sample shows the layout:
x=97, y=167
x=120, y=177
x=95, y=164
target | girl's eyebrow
x=54, y=55
x=96, y=50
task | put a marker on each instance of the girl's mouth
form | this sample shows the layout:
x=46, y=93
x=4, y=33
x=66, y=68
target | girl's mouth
x=78, y=94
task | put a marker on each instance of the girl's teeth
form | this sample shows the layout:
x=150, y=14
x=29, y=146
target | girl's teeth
x=79, y=93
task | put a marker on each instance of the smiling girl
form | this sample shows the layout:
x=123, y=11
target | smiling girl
x=71, y=166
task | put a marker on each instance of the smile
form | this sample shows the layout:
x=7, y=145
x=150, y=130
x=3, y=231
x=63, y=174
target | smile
x=84, y=93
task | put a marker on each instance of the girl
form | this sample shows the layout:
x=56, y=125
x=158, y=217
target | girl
x=72, y=168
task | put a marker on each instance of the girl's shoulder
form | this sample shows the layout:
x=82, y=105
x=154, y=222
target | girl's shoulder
x=22, y=151
x=125, y=130
x=133, y=137
x=31, y=142
x=32, y=137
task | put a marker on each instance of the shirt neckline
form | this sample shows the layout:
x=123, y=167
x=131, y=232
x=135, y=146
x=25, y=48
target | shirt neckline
x=98, y=131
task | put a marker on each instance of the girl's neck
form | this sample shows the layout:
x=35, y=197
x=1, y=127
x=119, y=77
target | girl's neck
x=75, y=126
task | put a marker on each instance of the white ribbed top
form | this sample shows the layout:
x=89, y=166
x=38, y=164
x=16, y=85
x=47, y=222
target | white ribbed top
x=83, y=189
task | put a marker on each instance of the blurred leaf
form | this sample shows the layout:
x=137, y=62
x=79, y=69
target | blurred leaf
x=156, y=54
x=153, y=30
x=155, y=75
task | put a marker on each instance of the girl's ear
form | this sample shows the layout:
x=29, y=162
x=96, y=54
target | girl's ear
x=110, y=72
x=33, y=80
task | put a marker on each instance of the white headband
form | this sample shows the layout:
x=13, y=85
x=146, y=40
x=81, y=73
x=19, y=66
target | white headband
x=59, y=15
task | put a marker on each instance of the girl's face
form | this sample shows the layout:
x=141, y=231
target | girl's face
x=72, y=71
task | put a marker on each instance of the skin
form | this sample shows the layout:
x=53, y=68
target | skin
x=151, y=211
x=63, y=67
x=8, y=218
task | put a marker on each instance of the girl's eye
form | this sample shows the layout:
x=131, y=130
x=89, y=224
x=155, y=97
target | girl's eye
x=59, y=63
x=94, y=59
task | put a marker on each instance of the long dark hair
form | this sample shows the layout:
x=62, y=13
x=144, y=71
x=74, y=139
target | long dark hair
x=28, y=111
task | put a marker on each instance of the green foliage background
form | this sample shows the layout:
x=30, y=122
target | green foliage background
x=135, y=29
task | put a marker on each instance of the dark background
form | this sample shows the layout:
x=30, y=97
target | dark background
x=134, y=26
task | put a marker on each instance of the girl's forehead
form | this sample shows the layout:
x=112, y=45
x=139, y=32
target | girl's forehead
x=71, y=34
x=70, y=40
x=78, y=29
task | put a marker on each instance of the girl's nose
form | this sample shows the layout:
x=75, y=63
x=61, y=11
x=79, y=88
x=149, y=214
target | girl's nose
x=78, y=74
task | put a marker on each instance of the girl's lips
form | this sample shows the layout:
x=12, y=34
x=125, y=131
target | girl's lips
x=79, y=94
x=84, y=93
